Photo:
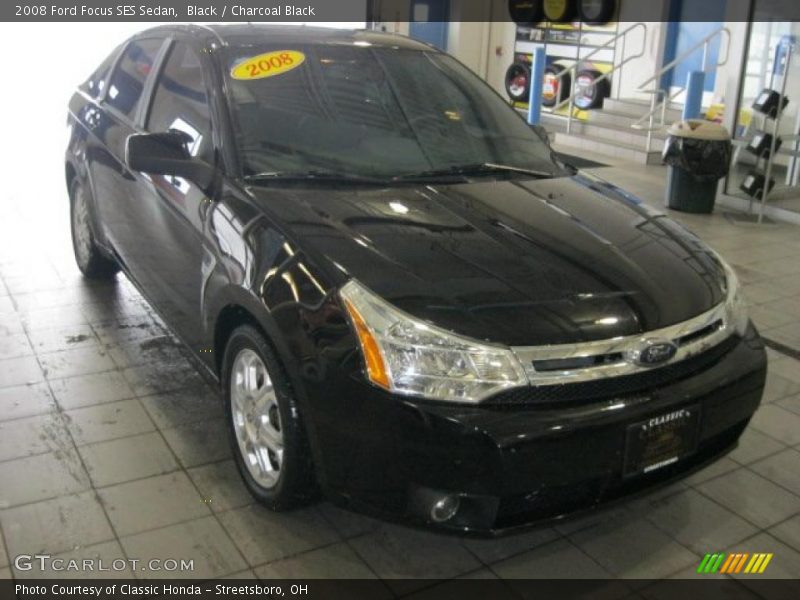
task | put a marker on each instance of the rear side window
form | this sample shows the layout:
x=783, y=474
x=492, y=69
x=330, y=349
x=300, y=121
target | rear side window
x=180, y=101
x=127, y=82
x=96, y=83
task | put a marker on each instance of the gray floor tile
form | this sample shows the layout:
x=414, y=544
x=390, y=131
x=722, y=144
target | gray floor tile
x=107, y=556
x=779, y=387
x=557, y=560
x=348, y=523
x=181, y=408
x=434, y=556
x=790, y=403
x=124, y=330
x=246, y=574
x=199, y=443
x=78, y=361
x=715, y=469
x=55, y=340
x=787, y=368
x=25, y=401
x=221, y=486
x=491, y=551
x=264, y=536
x=634, y=550
x=126, y=459
x=3, y=556
x=33, y=435
x=778, y=423
x=332, y=562
x=88, y=390
x=161, y=348
x=5, y=573
x=788, y=532
x=56, y=525
x=14, y=346
x=41, y=477
x=754, y=445
x=752, y=497
x=152, y=503
x=785, y=562
x=49, y=318
x=782, y=468
x=156, y=378
x=108, y=421
x=698, y=522
x=202, y=541
x=20, y=371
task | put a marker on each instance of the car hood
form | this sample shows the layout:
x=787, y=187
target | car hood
x=521, y=262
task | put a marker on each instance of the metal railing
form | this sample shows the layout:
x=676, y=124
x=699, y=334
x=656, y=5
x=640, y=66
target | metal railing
x=572, y=70
x=661, y=98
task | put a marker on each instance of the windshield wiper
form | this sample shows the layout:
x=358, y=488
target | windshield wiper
x=312, y=175
x=472, y=169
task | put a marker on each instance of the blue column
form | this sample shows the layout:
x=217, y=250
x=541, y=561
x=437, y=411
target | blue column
x=537, y=78
x=695, y=82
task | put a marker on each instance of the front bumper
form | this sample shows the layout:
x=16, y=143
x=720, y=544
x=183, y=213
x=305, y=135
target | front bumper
x=513, y=465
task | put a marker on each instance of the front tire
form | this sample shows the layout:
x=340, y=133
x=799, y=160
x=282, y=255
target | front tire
x=89, y=258
x=264, y=423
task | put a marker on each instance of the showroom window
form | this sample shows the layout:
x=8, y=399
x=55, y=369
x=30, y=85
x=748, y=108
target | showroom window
x=127, y=82
x=180, y=101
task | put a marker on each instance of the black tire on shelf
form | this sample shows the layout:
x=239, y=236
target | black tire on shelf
x=518, y=82
x=596, y=12
x=593, y=93
x=560, y=11
x=554, y=90
x=526, y=12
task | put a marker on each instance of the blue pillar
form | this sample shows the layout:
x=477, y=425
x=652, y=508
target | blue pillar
x=537, y=78
x=695, y=82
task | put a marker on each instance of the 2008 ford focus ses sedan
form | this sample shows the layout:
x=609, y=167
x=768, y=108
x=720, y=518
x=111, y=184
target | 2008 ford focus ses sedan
x=410, y=303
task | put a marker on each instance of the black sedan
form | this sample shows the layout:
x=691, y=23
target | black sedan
x=410, y=302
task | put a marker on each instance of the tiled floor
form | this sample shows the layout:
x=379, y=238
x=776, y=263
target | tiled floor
x=112, y=446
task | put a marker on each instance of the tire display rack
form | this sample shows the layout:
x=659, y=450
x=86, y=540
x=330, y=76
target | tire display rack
x=564, y=43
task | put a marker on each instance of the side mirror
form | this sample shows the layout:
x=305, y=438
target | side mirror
x=166, y=154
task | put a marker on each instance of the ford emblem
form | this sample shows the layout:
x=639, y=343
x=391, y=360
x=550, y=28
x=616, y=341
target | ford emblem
x=653, y=353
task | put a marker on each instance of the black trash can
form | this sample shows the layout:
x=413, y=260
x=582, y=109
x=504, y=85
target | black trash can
x=698, y=154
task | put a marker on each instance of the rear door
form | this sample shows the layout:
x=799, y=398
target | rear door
x=113, y=184
x=168, y=213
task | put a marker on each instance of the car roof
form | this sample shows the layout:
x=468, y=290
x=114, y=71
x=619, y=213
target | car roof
x=244, y=34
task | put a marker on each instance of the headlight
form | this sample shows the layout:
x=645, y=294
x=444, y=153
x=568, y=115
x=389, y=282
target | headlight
x=735, y=308
x=408, y=356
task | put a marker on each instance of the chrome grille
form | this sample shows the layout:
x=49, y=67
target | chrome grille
x=560, y=364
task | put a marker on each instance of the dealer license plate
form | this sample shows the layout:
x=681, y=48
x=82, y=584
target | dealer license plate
x=661, y=441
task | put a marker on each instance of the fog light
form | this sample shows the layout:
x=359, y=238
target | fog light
x=445, y=508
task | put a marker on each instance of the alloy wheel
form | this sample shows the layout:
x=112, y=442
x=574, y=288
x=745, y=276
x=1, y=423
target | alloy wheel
x=256, y=418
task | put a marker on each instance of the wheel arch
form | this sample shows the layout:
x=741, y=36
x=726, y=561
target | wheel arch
x=239, y=311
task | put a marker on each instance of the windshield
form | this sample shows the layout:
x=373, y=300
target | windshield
x=371, y=112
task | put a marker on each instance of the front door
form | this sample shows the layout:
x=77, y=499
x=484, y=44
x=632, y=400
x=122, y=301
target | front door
x=171, y=211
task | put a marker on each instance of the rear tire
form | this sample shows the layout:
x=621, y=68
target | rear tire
x=89, y=258
x=266, y=431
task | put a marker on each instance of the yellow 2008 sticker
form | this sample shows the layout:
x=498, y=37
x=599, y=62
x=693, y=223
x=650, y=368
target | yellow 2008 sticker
x=268, y=64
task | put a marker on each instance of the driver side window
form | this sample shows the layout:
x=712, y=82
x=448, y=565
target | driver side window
x=180, y=101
